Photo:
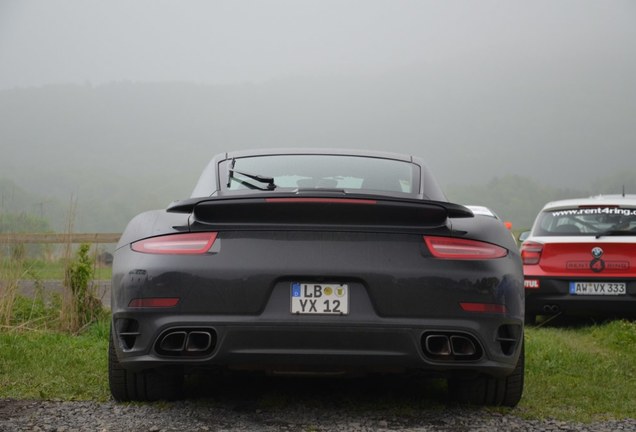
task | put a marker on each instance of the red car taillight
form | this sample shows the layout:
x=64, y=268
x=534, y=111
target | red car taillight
x=178, y=244
x=484, y=307
x=321, y=200
x=153, y=302
x=455, y=248
x=531, y=252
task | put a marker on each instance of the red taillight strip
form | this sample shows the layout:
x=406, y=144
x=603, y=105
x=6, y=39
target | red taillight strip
x=322, y=200
x=531, y=252
x=455, y=248
x=178, y=244
x=484, y=307
x=154, y=302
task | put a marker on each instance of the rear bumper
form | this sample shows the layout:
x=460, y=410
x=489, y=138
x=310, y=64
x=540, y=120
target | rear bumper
x=241, y=294
x=382, y=346
x=553, y=296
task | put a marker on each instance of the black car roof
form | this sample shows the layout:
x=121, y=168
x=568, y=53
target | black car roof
x=319, y=151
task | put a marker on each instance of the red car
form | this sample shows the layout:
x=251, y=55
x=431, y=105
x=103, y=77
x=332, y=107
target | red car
x=580, y=258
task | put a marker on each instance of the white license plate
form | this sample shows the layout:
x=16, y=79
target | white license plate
x=319, y=298
x=598, y=288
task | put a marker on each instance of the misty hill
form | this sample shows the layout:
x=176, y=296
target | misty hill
x=122, y=148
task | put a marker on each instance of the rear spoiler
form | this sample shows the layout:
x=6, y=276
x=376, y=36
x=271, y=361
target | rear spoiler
x=293, y=210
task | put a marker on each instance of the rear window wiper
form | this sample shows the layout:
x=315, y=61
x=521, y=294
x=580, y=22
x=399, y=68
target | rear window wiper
x=259, y=178
x=615, y=232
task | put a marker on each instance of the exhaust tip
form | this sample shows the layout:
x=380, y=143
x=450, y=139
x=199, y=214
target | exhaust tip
x=174, y=341
x=438, y=345
x=551, y=309
x=186, y=342
x=451, y=346
x=463, y=346
x=198, y=341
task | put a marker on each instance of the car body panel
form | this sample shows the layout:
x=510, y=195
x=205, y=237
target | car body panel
x=573, y=257
x=236, y=296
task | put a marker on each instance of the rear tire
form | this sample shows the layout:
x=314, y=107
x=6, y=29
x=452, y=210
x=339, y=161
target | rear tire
x=146, y=385
x=486, y=390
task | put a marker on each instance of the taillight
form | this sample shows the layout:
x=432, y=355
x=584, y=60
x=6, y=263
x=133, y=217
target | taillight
x=154, y=302
x=484, y=307
x=178, y=244
x=455, y=248
x=321, y=200
x=531, y=252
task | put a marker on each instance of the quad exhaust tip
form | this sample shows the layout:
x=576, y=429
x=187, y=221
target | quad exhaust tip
x=451, y=346
x=438, y=345
x=198, y=341
x=463, y=346
x=551, y=309
x=186, y=342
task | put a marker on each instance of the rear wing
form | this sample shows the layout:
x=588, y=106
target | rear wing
x=293, y=211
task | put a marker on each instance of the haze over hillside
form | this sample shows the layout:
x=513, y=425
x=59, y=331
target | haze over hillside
x=127, y=147
x=120, y=104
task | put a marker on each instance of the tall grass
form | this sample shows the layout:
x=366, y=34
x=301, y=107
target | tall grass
x=71, y=310
x=80, y=305
x=13, y=269
x=51, y=269
x=36, y=313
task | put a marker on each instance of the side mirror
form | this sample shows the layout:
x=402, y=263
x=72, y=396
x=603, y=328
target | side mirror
x=524, y=235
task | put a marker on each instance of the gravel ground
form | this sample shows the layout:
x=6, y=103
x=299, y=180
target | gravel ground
x=201, y=416
x=240, y=403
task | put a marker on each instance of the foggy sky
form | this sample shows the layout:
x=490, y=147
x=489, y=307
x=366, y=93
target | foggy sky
x=233, y=41
x=478, y=88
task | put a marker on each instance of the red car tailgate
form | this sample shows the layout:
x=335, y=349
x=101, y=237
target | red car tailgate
x=589, y=259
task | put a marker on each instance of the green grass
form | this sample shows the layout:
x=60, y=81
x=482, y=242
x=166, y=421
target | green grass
x=586, y=373
x=54, y=270
x=52, y=365
x=36, y=312
x=572, y=373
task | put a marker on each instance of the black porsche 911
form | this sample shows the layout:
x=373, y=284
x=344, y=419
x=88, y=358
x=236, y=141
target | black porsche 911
x=317, y=261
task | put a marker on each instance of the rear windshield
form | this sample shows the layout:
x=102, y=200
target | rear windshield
x=324, y=172
x=586, y=221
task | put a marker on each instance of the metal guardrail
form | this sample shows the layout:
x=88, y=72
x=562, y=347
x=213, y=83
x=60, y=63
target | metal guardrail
x=18, y=238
